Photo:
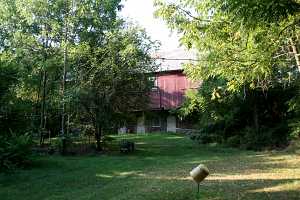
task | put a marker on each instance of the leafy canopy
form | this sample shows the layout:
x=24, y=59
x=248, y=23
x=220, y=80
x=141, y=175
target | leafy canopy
x=240, y=41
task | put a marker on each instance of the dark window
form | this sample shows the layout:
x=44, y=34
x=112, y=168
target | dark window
x=155, y=122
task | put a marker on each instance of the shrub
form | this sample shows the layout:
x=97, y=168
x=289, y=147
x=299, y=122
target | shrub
x=209, y=138
x=212, y=133
x=65, y=145
x=266, y=137
x=15, y=151
x=295, y=130
x=107, y=141
x=234, y=141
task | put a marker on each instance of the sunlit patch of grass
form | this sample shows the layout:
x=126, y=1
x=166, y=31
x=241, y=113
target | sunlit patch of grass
x=293, y=185
x=158, y=170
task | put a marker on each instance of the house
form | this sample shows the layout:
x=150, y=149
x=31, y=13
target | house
x=168, y=93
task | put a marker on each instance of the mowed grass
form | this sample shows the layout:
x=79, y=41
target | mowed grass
x=158, y=170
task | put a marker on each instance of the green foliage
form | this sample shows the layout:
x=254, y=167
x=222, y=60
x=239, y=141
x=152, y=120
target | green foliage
x=204, y=138
x=113, y=78
x=248, y=52
x=234, y=141
x=227, y=47
x=295, y=129
x=237, y=41
x=107, y=62
x=294, y=111
x=256, y=12
x=275, y=137
x=15, y=151
x=253, y=120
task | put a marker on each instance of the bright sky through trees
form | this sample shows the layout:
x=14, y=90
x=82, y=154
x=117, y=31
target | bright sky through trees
x=141, y=11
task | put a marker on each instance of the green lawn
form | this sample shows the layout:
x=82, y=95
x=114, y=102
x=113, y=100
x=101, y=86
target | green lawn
x=158, y=170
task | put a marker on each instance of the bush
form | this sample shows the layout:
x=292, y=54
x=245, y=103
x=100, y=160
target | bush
x=209, y=138
x=252, y=140
x=295, y=130
x=247, y=138
x=15, y=151
x=210, y=134
x=266, y=137
x=66, y=145
x=234, y=141
x=106, y=141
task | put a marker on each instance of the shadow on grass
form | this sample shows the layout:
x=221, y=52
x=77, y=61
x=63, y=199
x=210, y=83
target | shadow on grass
x=158, y=170
x=172, y=188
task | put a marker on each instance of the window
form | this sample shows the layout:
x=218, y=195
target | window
x=154, y=83
x=155, y=122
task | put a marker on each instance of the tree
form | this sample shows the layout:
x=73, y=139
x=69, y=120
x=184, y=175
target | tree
x=247, y=50
x=70, y=53
x=240, y=41
x=113, y=78
x=30, y=34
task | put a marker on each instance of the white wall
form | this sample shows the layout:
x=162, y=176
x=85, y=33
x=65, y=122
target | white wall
x=171, y=124
x=141, y=125
x=122, y=130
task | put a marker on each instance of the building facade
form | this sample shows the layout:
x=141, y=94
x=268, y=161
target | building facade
x=169, y=87
x=167, y=94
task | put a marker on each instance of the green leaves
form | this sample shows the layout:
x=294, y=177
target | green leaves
x=15, y=151
x=237, y=40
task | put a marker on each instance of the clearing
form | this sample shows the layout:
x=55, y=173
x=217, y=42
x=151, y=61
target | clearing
x=158, y=170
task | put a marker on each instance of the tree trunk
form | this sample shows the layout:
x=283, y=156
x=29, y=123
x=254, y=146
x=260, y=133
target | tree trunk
x=43, y=112
x=38, y=101
x=255, y=118
x=98, y=135
x=255, y=113
x=296, y=53
x=64, y=75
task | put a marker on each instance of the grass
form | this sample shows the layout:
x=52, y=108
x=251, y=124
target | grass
x=158, y=170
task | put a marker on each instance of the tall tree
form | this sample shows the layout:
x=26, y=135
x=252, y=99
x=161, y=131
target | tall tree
x=246, y=48
x=113, y=78
x=79, y=51
x=238, y=40
x=31, y=34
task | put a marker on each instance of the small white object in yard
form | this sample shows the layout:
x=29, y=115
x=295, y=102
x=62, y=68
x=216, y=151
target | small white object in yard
x=199, y=173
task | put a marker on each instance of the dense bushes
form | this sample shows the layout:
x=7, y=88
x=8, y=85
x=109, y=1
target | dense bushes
x=254, y=119
x=78, y=144
x=247, y=138
x=15, y=151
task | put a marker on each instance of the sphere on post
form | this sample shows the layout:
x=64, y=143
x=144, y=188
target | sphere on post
x=199, y=173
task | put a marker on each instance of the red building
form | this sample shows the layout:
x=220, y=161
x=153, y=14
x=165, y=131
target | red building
x=170, y=86
x=169, y=90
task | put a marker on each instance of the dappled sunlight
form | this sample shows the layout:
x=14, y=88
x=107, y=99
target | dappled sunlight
x=255, y=176
x=152, y=175
x=294, y=185
x=174, y=138
x=140, y=143
x=104, y=176
x=252, y=165
x=126, y=173
x=162, y=166
x=166, y=178
x=196, y=162
x=119, y=174
x=234, y=174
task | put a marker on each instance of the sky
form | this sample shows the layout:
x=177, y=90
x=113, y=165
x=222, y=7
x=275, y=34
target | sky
x=141, y=12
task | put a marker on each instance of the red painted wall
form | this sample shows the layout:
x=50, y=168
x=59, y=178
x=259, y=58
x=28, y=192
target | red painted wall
x=171, y=89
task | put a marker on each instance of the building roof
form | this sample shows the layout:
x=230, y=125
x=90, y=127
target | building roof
x=174, y=59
